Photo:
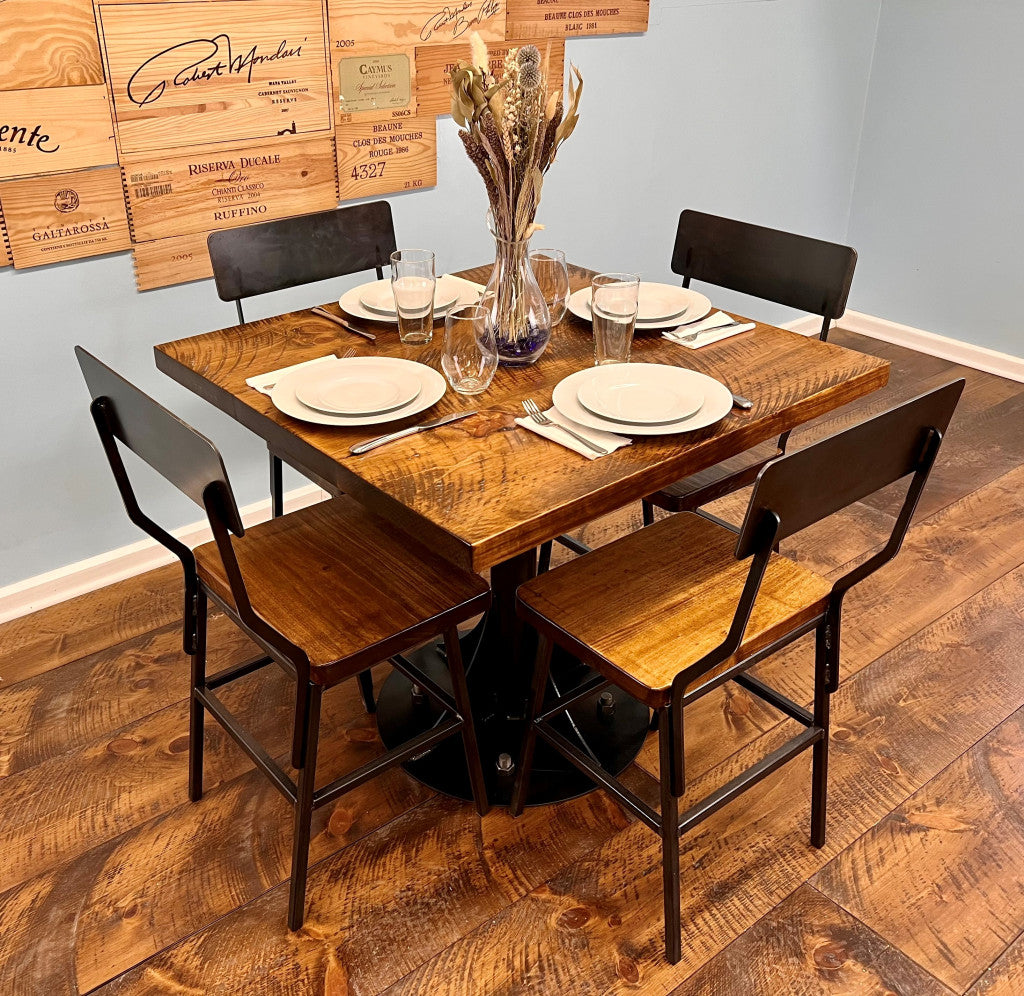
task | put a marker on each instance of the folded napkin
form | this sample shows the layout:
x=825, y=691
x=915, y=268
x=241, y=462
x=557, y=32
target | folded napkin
x=264, y=383
x=706, y=330
x=609, y=440
x=477, y=289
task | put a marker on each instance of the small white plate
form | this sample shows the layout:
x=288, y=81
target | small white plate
x=380, y=297
x=693, y=305
x=717, y=403
x=432, y=388
x=446, y=285
x=639, y=394
x=342, y=388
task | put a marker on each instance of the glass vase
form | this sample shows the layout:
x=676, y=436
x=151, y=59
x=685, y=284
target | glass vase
x=519, y=313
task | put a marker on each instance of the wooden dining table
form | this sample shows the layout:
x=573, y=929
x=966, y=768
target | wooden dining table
x=485, y=492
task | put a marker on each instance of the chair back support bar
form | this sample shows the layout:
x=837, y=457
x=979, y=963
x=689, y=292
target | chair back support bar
x=275, y=255
x=803, y=487
x=170, y=446
x=793, y=270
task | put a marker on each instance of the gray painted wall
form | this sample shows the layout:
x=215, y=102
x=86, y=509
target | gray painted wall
x=938, y=206
x=747, y=109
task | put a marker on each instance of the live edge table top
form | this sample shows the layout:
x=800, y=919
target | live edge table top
x=483, y=489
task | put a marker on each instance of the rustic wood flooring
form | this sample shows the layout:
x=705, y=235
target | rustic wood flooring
x=112, y=883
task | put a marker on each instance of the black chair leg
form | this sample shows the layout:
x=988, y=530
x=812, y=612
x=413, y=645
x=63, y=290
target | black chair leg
x=540, y=683
x=276, y=487
x=304, y=809
x=648, y=510
x=460, y=693
x=669, y=837
x=544, y=560
x=366, y=691
x=826, y=661
x=197, y=712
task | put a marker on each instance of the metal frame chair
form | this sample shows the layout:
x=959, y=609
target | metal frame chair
x=842, y=470
x=793, y=270
x=124, y=414
x=275, y=255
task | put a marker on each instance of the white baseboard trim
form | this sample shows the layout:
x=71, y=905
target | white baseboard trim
x=965, y=353
x=48, y=589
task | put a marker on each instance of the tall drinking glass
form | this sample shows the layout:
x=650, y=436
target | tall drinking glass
x=552, y=273
x=613, y=305
x=470, y=354
x=413, y=282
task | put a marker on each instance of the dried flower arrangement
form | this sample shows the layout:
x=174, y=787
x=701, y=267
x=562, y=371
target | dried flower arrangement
x=512, y=129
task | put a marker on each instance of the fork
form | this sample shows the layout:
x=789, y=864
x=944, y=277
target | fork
x=694, y=335
x=532, y=409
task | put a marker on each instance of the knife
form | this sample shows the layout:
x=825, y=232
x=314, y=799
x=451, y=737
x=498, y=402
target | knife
x=345, y=325
x=372, y=444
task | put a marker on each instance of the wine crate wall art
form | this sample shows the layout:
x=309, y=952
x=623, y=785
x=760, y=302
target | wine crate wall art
x=147, y=124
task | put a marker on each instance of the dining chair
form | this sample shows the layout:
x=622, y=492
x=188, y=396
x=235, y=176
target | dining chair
x=799, y=272
x=674, y=610
x=325, y=593
x=275, y=255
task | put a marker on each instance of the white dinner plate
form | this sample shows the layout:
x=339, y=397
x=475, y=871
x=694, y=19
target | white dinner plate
x=432, y=388
x=693, y=306
x=640, y=394
x=464, y=294
x=379, y=296
x=717, y=403
x=369, y=388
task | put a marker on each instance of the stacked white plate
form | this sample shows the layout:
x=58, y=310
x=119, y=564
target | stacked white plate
x=642, y=399
x=358, y=390
x=375, y=301
x=659, y=306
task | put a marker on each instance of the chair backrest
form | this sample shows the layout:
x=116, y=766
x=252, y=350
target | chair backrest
x=793, y=270
x=801, y=488
x=275, y=255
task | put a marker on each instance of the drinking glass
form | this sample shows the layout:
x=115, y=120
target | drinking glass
x=470, y=354
x=413, y=281
x=552, y=274
x=613, y=310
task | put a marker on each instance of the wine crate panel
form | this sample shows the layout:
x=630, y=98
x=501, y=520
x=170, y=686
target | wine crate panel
x=222, y=188
x=377, y=86
x=54, y=130
x=434, y=65
x=171, y=261
x=573, y=19
x=386, y=157
x=359, y=26
x=48, y=43
x=65, y=216
x=189, y=73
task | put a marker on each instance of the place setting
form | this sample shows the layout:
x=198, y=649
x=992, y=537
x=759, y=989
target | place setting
x=596, y=410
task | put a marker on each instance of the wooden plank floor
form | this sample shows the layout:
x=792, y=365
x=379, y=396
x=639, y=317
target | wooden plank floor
x=111, y=882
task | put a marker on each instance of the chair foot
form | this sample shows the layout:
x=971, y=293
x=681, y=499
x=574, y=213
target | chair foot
x=366, y=691
x=197, y=712
x=310, y=736
x=669, y=762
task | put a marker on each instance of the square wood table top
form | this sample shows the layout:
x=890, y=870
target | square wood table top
x=483, y=489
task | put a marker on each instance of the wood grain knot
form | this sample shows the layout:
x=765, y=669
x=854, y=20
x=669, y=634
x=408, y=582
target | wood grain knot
x=129, y=912
x=362, y=735
x=615, y=920
x=488, y=422
x=139, y=684
x=574, y=919
x=830, y=955
x=627, y=970
x=124, y=745
x=340, y=822
x=179, y=745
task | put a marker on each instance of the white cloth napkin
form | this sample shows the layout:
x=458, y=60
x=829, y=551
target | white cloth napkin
x=609, y=440
x=706, y=331
x=477, y=289
x=264, y=383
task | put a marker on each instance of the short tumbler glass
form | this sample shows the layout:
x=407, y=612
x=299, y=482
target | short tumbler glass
x=613, y=305
x=552, y=273
x=413, y=281
x=470, y=354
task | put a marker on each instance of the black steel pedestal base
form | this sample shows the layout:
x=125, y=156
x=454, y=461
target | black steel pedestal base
x=612, y=731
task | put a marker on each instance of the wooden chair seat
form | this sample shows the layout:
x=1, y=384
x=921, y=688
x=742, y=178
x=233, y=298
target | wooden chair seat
x=339, y=584
x=641, y=609
x=716, y=482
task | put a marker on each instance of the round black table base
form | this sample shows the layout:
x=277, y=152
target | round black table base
x=613, y=733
